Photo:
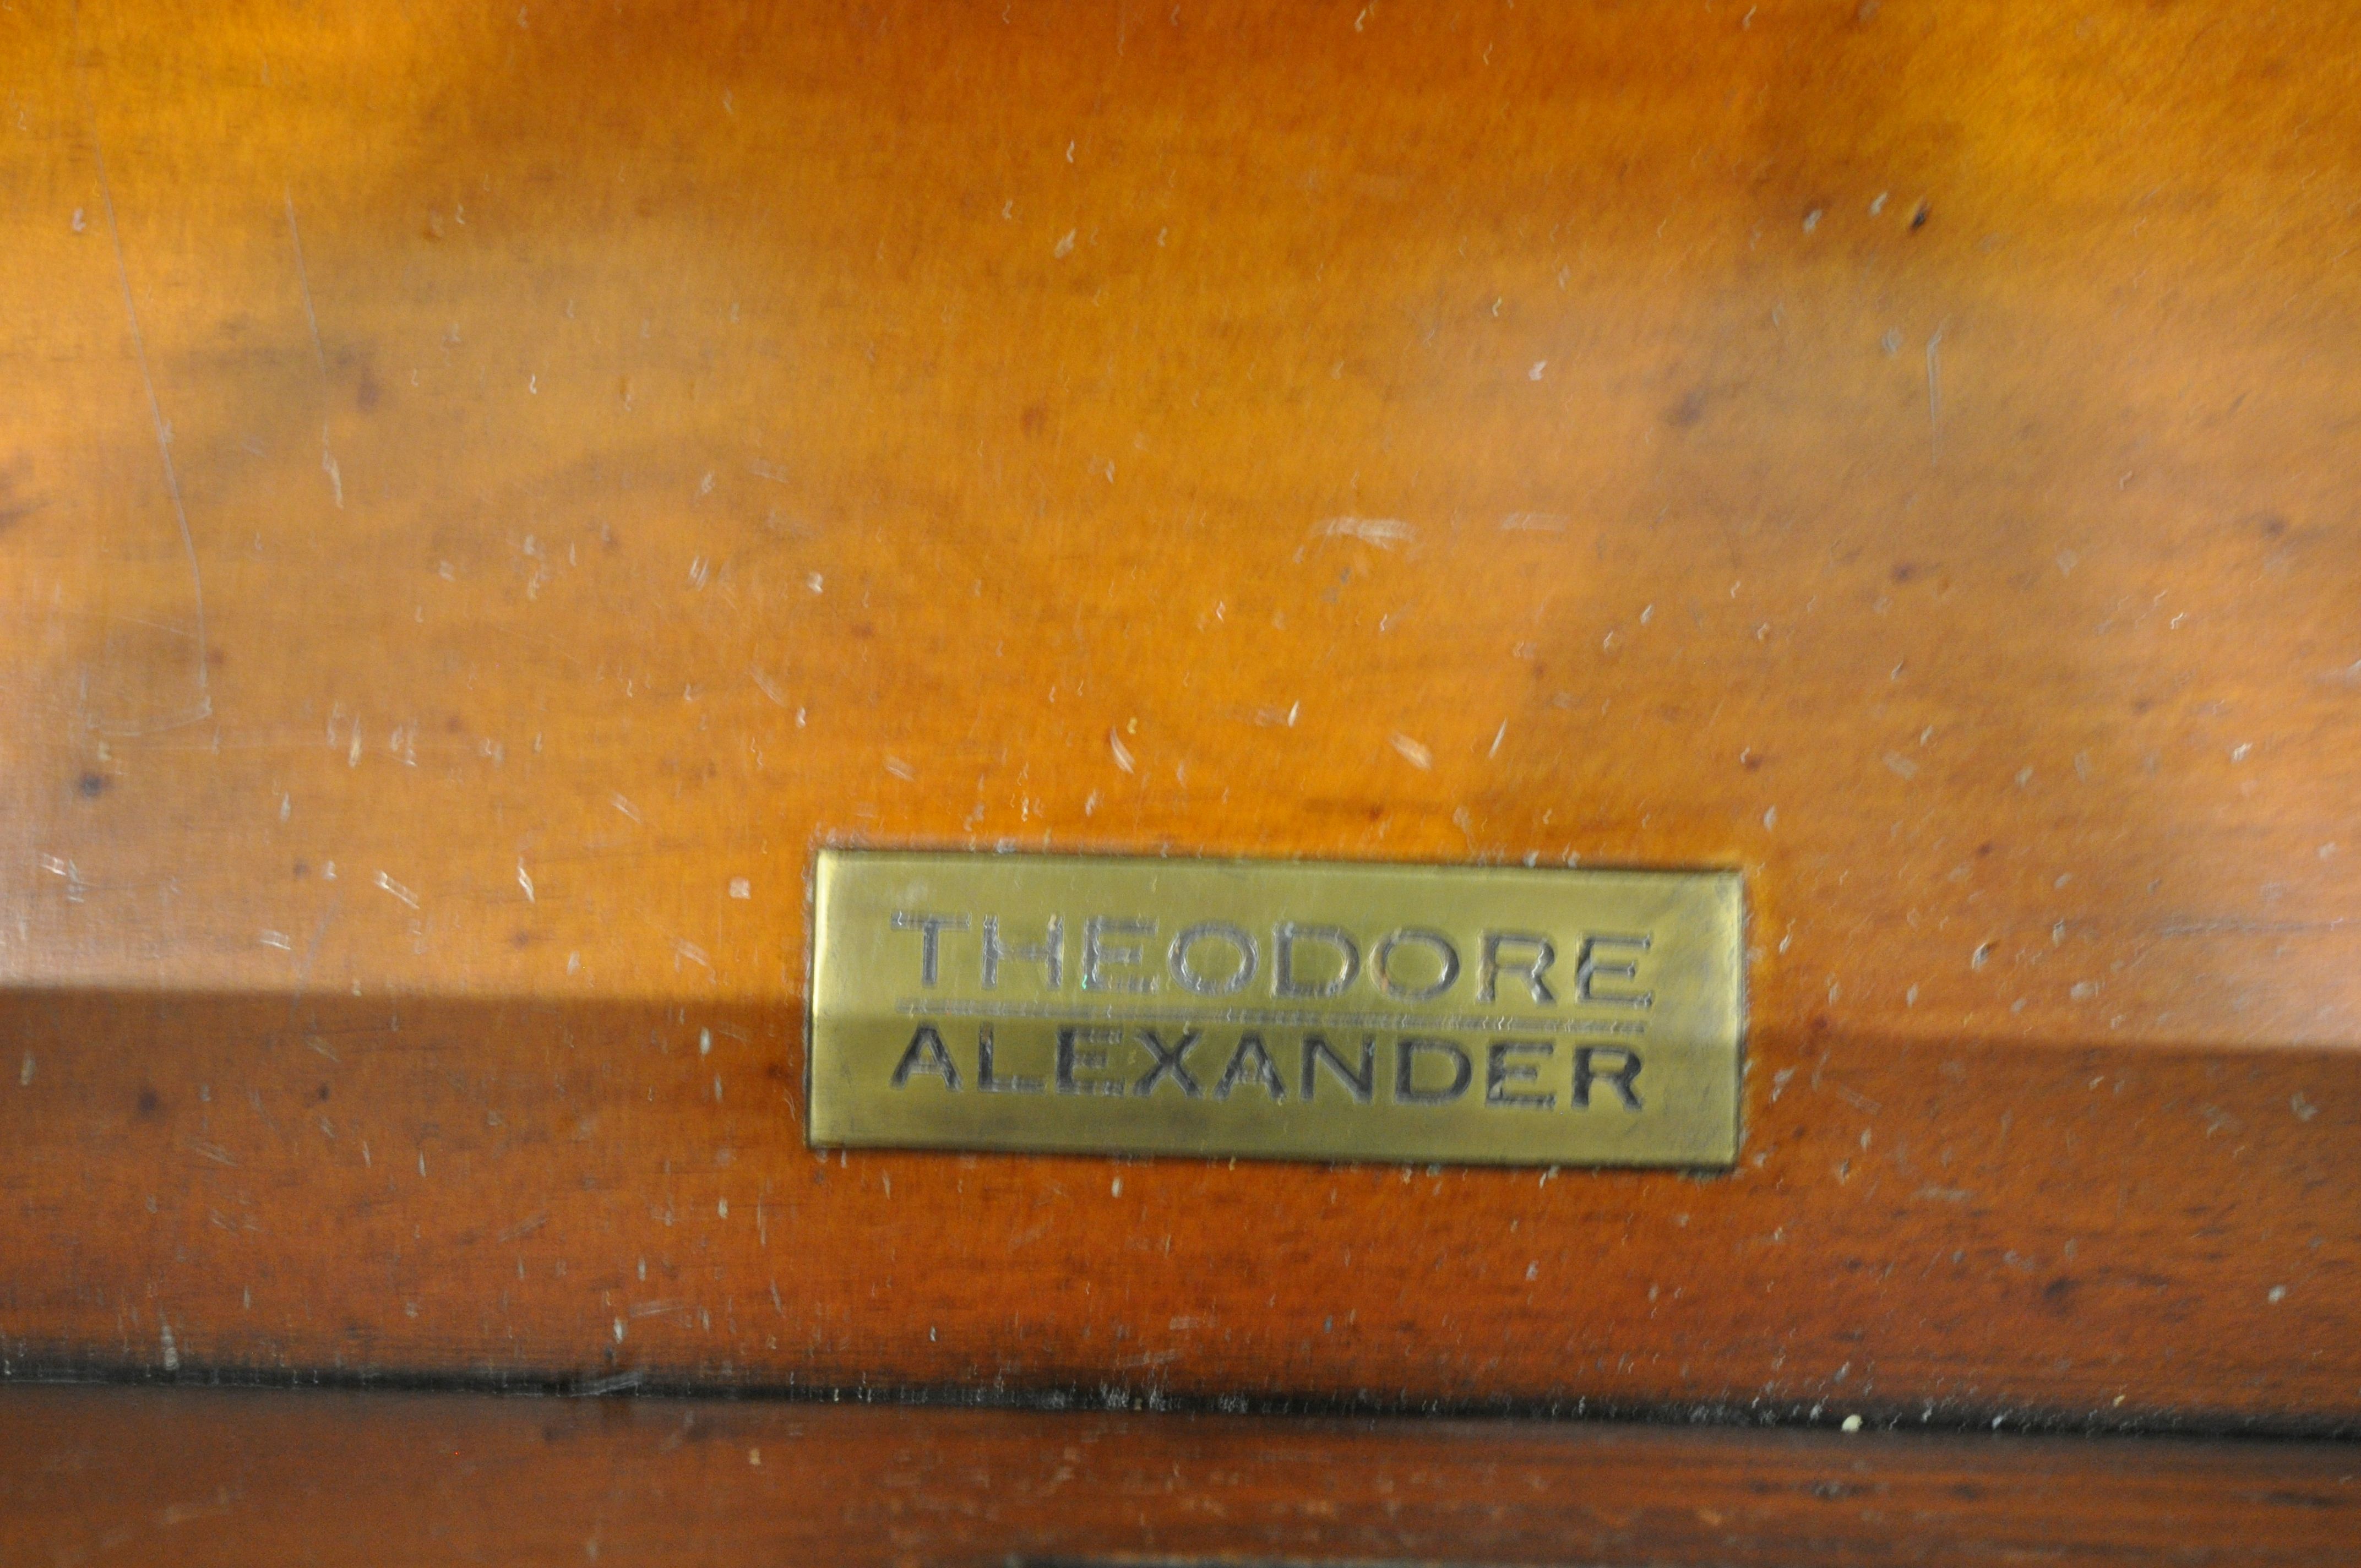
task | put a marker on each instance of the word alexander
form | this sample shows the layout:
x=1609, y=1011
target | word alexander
x=1427, y=1069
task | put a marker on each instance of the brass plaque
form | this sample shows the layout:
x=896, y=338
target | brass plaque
x=1280, y=1010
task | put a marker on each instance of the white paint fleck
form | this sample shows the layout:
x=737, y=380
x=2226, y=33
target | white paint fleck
x=1123, y=758
x=524, y=881
x=1851, y=1423
x=1416, y=755
x=740, y=887
x=1535, y=373
x=172, y=1351
x=1065, y=247
x=2277, y=1294
x=279, y=939
x=396, y=889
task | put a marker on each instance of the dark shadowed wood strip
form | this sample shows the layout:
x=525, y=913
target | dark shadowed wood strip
x=195, y=1478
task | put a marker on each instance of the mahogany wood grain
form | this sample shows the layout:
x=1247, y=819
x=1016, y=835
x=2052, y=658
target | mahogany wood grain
x=484, y=491
x=1998, y=1235
x=248, y=1478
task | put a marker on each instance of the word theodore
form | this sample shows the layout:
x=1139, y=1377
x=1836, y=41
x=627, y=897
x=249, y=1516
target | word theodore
x=1307, y=962
x=1427, y=1069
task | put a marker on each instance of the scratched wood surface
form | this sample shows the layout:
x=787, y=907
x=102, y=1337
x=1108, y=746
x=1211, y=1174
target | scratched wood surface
x=245, y=1478
x=484, y=491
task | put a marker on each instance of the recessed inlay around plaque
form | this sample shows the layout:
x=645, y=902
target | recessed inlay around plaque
x=1282, y=1010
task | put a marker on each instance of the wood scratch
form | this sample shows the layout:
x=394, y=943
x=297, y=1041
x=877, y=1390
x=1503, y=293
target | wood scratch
x=525, y=1226
x=312, y=957
x=319, y=353
x=1935, y=397
x=204, y=704
x=1385, y=532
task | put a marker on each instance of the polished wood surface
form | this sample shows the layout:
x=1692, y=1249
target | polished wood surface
x=252, y=1478
x=486, y=491
x=2002, y=1236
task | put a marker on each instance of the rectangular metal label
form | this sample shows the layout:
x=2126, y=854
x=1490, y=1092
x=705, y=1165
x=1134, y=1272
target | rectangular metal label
x=1275, y=1009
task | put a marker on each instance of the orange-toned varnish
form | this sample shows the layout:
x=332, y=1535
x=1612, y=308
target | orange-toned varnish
x=484, y=492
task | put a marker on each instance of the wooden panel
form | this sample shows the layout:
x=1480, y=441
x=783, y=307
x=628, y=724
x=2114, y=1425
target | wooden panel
x=326, y=1478
x=486, y=492
x=2005, y=1236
